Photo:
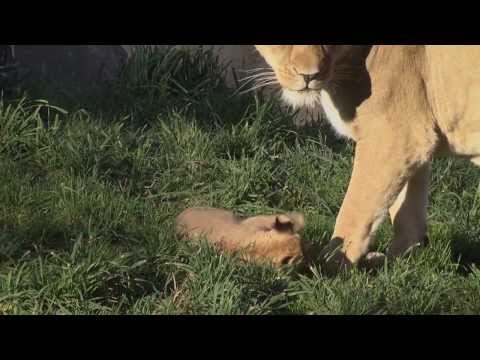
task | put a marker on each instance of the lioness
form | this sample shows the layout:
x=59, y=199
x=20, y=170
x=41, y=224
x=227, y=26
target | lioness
x=402, y=105
x=272, y=239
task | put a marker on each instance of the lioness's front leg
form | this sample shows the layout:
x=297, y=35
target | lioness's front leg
x=409, y=214
x=381, y=169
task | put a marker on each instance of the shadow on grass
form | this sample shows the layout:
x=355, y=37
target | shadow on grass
x=17, y=241
x=109, y=273
x=465, y=251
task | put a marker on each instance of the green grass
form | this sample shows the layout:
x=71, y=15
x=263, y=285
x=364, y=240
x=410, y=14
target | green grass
x=88, y=196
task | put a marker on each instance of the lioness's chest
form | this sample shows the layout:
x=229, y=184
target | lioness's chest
x=332, y=112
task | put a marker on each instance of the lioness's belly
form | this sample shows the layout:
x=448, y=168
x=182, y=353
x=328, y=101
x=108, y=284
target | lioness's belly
x=454, y=93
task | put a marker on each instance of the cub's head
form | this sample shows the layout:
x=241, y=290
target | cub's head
x=276, y=238
x=304, y=70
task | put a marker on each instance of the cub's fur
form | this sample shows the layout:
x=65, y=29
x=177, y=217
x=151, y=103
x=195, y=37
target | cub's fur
x=402, y=105
x=260, y=238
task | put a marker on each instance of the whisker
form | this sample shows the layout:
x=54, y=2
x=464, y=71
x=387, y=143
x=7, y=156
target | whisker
x=255, y=84
x=272, y=81
x=257, y=76
x=242, y=86
x=250, y=82
x=255, y=70
x=265, y=80
x=334, y=86
x=260, y=86
x=253, y=89
x=259, y=81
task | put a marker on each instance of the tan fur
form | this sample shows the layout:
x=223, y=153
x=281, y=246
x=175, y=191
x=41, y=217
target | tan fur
x=422, y=100
x=261, y=238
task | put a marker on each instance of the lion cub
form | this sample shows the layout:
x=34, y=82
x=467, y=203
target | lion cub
x=261, y=238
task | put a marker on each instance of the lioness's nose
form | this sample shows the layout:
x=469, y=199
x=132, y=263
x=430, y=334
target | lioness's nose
x=310, y=77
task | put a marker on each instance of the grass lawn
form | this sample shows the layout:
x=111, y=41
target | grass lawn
x=91, y=183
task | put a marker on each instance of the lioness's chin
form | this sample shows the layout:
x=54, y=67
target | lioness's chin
x=298, y=99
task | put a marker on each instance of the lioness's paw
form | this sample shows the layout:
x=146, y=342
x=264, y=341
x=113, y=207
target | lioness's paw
x=333, y=259
x=373, y=261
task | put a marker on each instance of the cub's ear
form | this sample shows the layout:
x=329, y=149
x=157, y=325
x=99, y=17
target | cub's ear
x=292, y=222
x=283, y=223
x=298, y=221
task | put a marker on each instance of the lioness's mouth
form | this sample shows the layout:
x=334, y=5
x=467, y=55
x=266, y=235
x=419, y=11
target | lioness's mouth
x=309, y=90
x=302, y=98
